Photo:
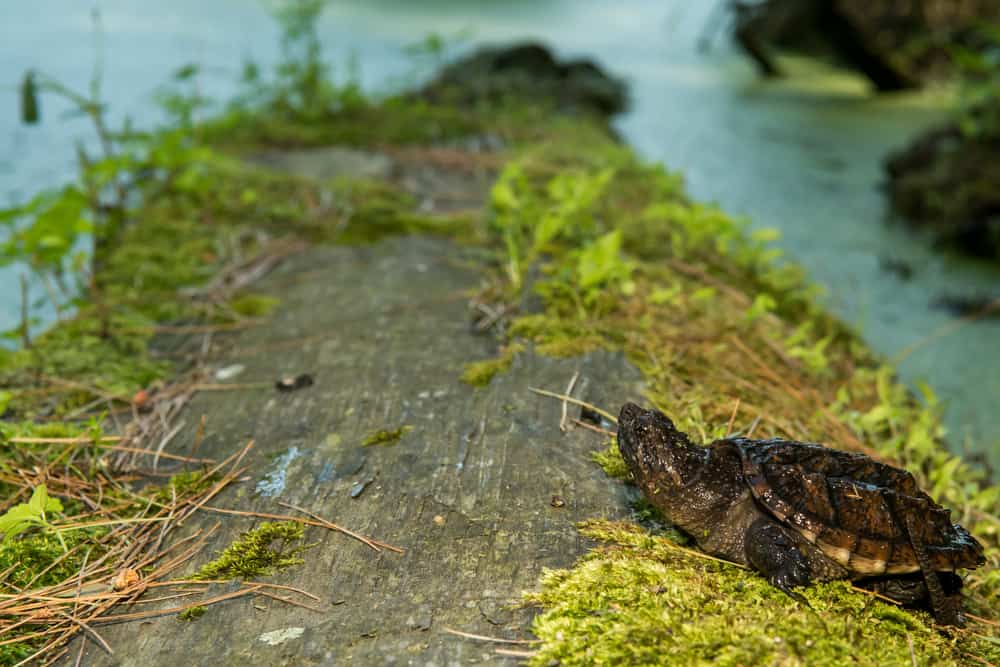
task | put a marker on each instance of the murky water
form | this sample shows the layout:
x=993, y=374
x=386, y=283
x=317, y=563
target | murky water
x=803, y=155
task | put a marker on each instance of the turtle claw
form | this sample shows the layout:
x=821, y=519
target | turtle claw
x=773, y=552
x=786, y=584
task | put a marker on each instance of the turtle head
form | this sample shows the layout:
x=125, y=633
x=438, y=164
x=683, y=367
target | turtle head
x=654, y=450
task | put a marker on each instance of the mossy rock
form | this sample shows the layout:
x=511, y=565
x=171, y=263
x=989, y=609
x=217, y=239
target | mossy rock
x=945, y=181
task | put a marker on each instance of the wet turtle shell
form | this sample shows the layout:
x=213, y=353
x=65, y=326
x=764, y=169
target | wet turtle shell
x=864, y=515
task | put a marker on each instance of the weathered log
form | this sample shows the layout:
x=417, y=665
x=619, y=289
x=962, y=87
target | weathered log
x=467, y=492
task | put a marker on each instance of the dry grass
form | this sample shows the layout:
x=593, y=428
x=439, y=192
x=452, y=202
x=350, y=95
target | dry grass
x=139, y=553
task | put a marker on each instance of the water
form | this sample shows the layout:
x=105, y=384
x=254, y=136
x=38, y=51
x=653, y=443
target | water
x=801, y=155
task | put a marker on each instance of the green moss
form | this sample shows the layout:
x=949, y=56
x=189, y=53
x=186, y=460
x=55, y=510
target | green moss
x=643, y=600
x=480, y=373
x=254, y=305
x=395, y=121
x=611, y=461
x=385, y=436
x=13, y=654
x=184, y=484
x=81, y=359
x=29, y=554
x=192, y=613
x=270, y=547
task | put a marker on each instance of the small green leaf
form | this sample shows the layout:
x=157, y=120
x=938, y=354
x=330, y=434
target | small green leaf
x=766, y=234
x=763, y=303
x=601, y=261
x=17, y=519
x=51, y=241
x=30, y=113
x=662, y=295
x=703, y=295
x=10, y=215
x=186, y=72
x=550, y=226
x=38, y=499
x=41, y=502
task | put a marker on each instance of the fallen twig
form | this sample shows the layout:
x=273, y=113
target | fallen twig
x=514, y=653
x=574, y=401
x=333, y=526
x=322, y=523
x=732, y=418
x=565, y=404
x=483, y=638
x=591, y=427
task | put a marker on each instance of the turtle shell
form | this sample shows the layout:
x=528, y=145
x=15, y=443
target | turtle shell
x=863, y=514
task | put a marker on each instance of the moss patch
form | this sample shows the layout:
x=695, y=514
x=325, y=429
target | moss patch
x=641, y=599
x=359, y=123
x=253, y=305
x=264, y=550
x=611, y=461
x=183, y=484
x=211, y=214
x=385, y=436
x=28, y=556
x=480, y=373
x=192, y=613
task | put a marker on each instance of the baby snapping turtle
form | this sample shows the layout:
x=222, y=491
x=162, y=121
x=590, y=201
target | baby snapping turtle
x=800, y=513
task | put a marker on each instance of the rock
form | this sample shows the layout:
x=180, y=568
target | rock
x=896, y=45
x=947, y=182
x=528, y=71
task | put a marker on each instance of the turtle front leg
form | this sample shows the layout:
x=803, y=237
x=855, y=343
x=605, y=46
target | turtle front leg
x=774, y=552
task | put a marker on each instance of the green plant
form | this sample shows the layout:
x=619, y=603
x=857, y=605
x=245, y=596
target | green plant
x=433, y=51
x=31, y=514
x=979, y=94
x=302, y=87
x=181, y=99
x=600, y=264
x=529, y=221
x=48, y=232
x=803, y=346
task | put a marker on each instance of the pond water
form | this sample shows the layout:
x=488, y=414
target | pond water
x=801, y=155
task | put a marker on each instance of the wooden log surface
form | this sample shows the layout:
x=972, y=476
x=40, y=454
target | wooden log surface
x=467, y=491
